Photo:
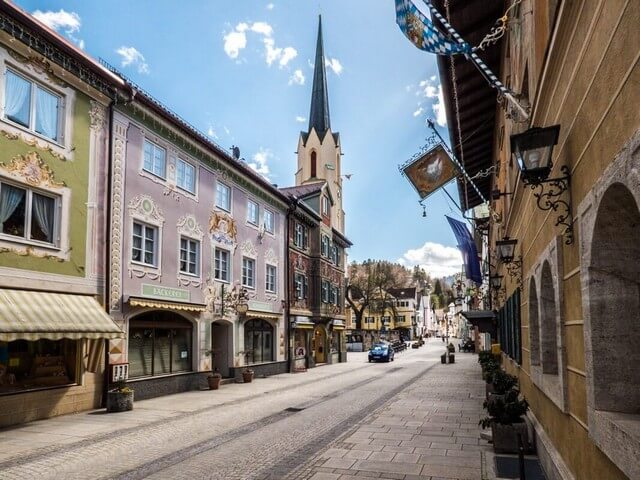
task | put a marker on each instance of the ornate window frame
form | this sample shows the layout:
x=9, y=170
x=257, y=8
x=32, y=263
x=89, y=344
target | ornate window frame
x=188, y=227
x=142, y=208
x=33, y=68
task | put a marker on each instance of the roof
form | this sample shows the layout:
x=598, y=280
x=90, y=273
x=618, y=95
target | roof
x=303, y=191
x=477, y=101
x=403, y=292
x=345, y=241
x=319, y=114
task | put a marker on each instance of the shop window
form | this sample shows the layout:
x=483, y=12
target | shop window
x=258, y=341
x=334, y=342
x=159, y=344
x=26, y=365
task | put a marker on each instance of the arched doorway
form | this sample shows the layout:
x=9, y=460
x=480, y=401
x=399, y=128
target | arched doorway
x=258, y=341
x=614, y=302
x=160, y=343
x=534, y=324
x=221, y=346
x=318, y=344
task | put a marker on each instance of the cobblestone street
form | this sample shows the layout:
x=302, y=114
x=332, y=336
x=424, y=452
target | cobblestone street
x=413, y=418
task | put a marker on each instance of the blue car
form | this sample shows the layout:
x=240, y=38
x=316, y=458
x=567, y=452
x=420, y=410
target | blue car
x=381, y=352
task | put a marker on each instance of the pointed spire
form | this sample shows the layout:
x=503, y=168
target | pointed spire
x=319, y=115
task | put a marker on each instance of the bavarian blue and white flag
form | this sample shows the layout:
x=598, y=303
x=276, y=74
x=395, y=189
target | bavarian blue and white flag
x=423, y=33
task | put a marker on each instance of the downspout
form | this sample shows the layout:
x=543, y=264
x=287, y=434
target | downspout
x=107, y=248
x=287, y=314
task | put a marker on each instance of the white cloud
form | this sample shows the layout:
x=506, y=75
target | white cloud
x=236, y=40
x=300, y=119
x=437, y=259
x=211, y=132
x=226, y=130
x=69, y=22
x=297, y=78
x=61, y=20
x=131, y=56
x=270, y=6
x=334, y=64
x=419, y=111
x=260, y=159
x=429, y=90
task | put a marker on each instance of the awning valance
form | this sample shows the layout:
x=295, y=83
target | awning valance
x=29, y=315
x=483, y=319
x=150, y=303
x=265, y=315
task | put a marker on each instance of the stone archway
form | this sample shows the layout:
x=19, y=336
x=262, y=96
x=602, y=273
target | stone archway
x=614, y=302
x=548, y=327
x=221, y=346
x=534, y=324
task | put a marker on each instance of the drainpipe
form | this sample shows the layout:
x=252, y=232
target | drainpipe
x=287, y=293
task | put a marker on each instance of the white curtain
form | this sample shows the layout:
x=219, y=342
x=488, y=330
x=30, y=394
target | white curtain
x=43, y=213
x=46, y=114
x=10, y=198
x=17, y=96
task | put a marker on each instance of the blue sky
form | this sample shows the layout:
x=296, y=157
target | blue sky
x=241, y=72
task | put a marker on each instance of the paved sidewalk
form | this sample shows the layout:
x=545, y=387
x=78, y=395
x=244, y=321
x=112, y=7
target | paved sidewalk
x=429, y=431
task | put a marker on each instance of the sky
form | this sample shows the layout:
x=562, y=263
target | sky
x=241, y=72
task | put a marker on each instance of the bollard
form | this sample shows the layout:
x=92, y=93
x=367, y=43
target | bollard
x=521, y=457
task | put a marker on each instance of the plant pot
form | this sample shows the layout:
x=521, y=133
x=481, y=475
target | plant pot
x=505, y=437
x=443, y=358
x=119, y=401
x=488, y=387
x=214, y=381
x=452, y=358
x=247, y=376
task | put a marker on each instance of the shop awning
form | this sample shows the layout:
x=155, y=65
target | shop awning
x=265, y=315
x=29, y=315
x=483, y=319
x=162, y=304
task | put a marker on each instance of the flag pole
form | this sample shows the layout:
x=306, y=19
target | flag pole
x=479, y=64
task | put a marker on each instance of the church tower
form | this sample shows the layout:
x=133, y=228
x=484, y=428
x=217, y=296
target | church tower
x=319, y=152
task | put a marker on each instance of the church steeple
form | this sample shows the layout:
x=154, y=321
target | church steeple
x=319, y=115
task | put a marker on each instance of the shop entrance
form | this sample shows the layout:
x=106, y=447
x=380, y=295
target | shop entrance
x=221, y=336
x=318, y=345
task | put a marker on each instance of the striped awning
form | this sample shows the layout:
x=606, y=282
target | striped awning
x=29, y=315
x=150, y=303
x=265, y=315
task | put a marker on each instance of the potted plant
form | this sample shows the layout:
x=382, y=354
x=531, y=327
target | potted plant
x=247, y=375
x=214, y=380
x=119, y=397
x=501, y=383
x=506, y=421
x=451, y=348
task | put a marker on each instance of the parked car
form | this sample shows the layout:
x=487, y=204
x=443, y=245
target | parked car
x=381, y=352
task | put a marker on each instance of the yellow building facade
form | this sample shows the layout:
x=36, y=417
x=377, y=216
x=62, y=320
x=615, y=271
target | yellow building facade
x=571, y=292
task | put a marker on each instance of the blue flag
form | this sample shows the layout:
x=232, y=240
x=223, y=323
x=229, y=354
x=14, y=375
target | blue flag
x=467, y=247
x=423, y=33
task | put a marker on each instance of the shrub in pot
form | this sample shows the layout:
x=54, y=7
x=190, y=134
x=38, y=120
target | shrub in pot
x=451, y=348
x=247, y=375
x=119, y=397
x=506, y=419
x=214, y=380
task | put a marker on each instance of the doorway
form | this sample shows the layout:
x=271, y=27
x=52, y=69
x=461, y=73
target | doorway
x=221, y=337
x=318, y=346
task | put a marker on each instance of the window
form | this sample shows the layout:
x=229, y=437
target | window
x=248, y=272
x=27, y=214
x=159, y=343
x=221, y=265
x=325, y=246
x=258, y=341
x=369, y=319
x=32, y=106
x=300, y=238
x=313, y=164
x=252, y=212
x=270, y=284
x=400, y=319
x=509, y=330
x=189, y=256
x=185, y=176
x=268, y=221
x=223, y=196
x=325, y=205
x=155, y=159
x=325, y=291
x=144, y=244
x=301, y=286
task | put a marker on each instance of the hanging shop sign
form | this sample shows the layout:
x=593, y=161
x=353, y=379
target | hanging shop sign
x=430, y=170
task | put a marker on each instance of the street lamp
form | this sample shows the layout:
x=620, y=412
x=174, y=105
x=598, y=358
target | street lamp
x=496, y=282
x=506, y=253
x=533, y=151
